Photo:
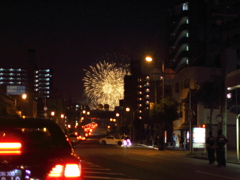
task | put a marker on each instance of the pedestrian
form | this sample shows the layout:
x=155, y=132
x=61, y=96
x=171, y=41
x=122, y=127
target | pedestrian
x=182, y=142
x=220, y=143
x=210, y=142
x=174, y=139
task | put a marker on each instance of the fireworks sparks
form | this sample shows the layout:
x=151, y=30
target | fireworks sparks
x=104, y=84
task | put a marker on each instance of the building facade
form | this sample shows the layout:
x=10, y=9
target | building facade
x=42, y=80
x=202, y=40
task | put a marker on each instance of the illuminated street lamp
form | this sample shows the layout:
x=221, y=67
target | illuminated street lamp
x=156, y=75
x=52, y=113
x=148, y=59
x=24, y=96
x=128, y=109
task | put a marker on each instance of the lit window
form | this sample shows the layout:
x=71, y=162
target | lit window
x=187, y=61
x=187, y=35
x=187, y=49
x=185, y=6
x=147, y=77
x=147, y=84
x=147, y=90
x=139, y=105
x=140, y=86
x=140, y=117
x=147, y=102
x=140, y=99
x=147, y=96
x=187, y=21
x=139, y=92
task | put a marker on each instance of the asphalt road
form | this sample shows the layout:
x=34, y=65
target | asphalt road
x=142, y=163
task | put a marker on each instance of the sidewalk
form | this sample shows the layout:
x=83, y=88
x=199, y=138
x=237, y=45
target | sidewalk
x=231, y=156
x=231, y=153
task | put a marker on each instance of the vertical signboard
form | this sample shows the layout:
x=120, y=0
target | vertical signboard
x=199, y=138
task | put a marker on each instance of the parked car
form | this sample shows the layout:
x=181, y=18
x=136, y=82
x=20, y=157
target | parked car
x=110, y=140
x=36, y=149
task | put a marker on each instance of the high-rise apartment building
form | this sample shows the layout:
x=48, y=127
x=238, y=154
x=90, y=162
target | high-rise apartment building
x=185, y=34
x=19, y=78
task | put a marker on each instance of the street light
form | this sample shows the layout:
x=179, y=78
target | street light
x=128, y=109
x=156, y=75
x=24, y=97
x=148, y=59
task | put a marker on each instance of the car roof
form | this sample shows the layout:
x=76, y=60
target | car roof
x=30, y=123
x=26, y=121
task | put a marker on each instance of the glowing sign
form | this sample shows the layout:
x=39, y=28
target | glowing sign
x=16, y=90
x=199, y=137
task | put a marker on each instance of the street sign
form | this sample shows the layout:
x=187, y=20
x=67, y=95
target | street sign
x=16, y=90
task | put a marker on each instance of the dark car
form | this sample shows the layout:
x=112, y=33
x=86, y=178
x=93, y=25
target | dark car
x=36, y=149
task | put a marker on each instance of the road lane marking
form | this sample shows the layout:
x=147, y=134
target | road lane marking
x=112, y=178
x=216, y=175
x=108, y=173
x=144, y=160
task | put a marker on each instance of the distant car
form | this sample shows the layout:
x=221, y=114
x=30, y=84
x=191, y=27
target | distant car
x=110, y=140
x=75, y=139
x=36, y=149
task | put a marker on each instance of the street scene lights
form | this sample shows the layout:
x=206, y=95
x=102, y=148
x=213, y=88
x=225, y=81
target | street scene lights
x=128, y=109
x=24, y=98
x=148, y=59
x=156, y=75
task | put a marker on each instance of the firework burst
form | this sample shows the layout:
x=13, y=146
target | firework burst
x=104, y=84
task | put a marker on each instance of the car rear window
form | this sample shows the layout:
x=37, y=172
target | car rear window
x=34, y=135
x=31, y=138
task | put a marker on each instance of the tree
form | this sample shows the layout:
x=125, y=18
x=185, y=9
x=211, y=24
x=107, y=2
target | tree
x=162, y=115
x=209, y=94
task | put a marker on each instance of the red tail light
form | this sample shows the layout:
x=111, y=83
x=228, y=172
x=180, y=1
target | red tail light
x=10, y=148
x=68, y=171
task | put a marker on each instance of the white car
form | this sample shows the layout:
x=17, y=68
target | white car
x=110, y=140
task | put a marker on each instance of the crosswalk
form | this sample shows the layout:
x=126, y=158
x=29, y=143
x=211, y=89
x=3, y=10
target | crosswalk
x=94, y=172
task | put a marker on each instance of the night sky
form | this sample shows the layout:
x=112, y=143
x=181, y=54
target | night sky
x=70, y=35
